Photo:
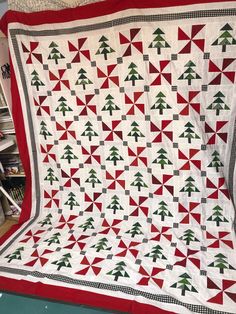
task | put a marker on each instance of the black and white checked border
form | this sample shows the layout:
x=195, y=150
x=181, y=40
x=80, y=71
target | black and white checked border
x=124, y=289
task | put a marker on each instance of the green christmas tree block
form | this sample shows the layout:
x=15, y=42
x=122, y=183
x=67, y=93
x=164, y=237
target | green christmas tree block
x=63, y=107
x=35, y=81
x=88, y=224
x=218, y=104
x=162, y=159
x=184, y=284
x=89, y=132
x=44, y=131
x=104, y=48
x=216, y=163
x=159, y=41
x=114, y=156
x=138, y=182
x=119, y=271
x=15, y=255
x=135, y=230
x=160, y=103
x=115, y=205
x=71, y=201
x=221, y=263
x=226, y=38
x=50, y=176
x=135, y=131
x=217, y=217
x=93, y=178
x=189, y=133
x=188, y=237
x=53, y=239
x=189, y=74
x=156, y=253
x=82, y=79
x=63, y=262
x=133, y=75
x=69, y=155
x=163, y=211
x=189, y=187
x=46, y=221
x=101, y=245
x=55, y=53
x=110, y=105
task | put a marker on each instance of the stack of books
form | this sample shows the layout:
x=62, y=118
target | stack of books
x=15, y=189
x=12, y=179
x=17, y=193
x=12, y=165
x=6, y=123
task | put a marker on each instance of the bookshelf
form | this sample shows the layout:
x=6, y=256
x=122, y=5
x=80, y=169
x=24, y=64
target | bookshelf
x=12, y=177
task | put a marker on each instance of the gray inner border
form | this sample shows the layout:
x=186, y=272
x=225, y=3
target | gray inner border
x=232, y=162
x=91, y=27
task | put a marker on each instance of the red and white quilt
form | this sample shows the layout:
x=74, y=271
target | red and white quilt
x=125, y=116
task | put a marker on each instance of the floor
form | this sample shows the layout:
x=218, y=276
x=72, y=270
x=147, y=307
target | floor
x=11, y=303
x=9, y=222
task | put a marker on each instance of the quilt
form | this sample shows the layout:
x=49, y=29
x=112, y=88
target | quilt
x=125, y=118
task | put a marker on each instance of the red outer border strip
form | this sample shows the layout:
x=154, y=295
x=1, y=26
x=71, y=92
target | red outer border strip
x=91, y=10
x=78, y=297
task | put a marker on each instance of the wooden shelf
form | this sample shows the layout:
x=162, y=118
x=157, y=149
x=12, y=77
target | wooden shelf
x=13, y=150
x=6, y=143
x=11, y=132
x=22, y=175
x=16, y=152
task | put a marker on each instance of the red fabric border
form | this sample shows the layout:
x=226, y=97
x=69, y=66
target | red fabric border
x=91, y=10
x=39, y=289
x=78, y=297
x=24, y=154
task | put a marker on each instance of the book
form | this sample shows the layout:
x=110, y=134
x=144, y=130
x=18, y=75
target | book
x=6, y=143
x=7, y=127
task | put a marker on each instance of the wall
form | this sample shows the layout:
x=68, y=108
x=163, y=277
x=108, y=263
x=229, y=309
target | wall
x=3, y=7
